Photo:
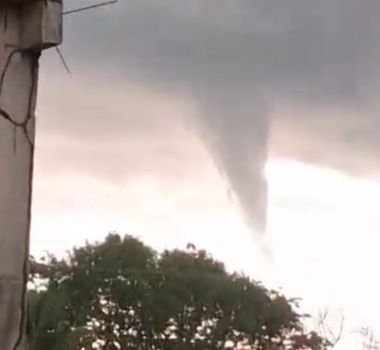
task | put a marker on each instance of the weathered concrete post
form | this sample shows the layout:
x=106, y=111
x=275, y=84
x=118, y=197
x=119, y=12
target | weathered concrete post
x=26, y=28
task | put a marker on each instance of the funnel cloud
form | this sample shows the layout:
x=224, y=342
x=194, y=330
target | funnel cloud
x=234, y=128
x=317, y=62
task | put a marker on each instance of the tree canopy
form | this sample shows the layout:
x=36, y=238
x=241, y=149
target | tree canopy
x=121, y=294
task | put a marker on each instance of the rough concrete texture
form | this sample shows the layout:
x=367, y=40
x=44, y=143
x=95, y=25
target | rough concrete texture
x=25, y=30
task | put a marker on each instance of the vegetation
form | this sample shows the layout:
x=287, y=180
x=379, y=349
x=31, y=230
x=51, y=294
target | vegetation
x=121, y=294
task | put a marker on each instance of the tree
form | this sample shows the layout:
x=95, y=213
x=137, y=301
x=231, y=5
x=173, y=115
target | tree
x=121, y=294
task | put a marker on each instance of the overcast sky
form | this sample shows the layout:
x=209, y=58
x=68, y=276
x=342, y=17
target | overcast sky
x=172, y=110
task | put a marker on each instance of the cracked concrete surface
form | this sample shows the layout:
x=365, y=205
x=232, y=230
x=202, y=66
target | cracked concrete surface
x=25, y=30
x=18, y=66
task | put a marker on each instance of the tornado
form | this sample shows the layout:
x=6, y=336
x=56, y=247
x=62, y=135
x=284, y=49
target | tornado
x=234, y=126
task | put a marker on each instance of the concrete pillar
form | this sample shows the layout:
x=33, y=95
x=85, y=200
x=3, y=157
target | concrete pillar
x=26, y=28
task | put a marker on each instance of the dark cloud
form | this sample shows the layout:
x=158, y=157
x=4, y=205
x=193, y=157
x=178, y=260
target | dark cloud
x=323, y=49
x=243, y=63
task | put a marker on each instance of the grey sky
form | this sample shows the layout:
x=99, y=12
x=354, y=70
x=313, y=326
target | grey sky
x=161, y=86
x=300, y=75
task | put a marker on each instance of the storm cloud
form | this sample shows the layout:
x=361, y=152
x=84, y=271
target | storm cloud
x=294, y=78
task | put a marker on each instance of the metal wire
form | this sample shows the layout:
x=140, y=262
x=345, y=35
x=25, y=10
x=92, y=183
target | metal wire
x=90, y=7
x=63, y=59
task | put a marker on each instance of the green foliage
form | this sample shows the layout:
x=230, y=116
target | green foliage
x=121, y=294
